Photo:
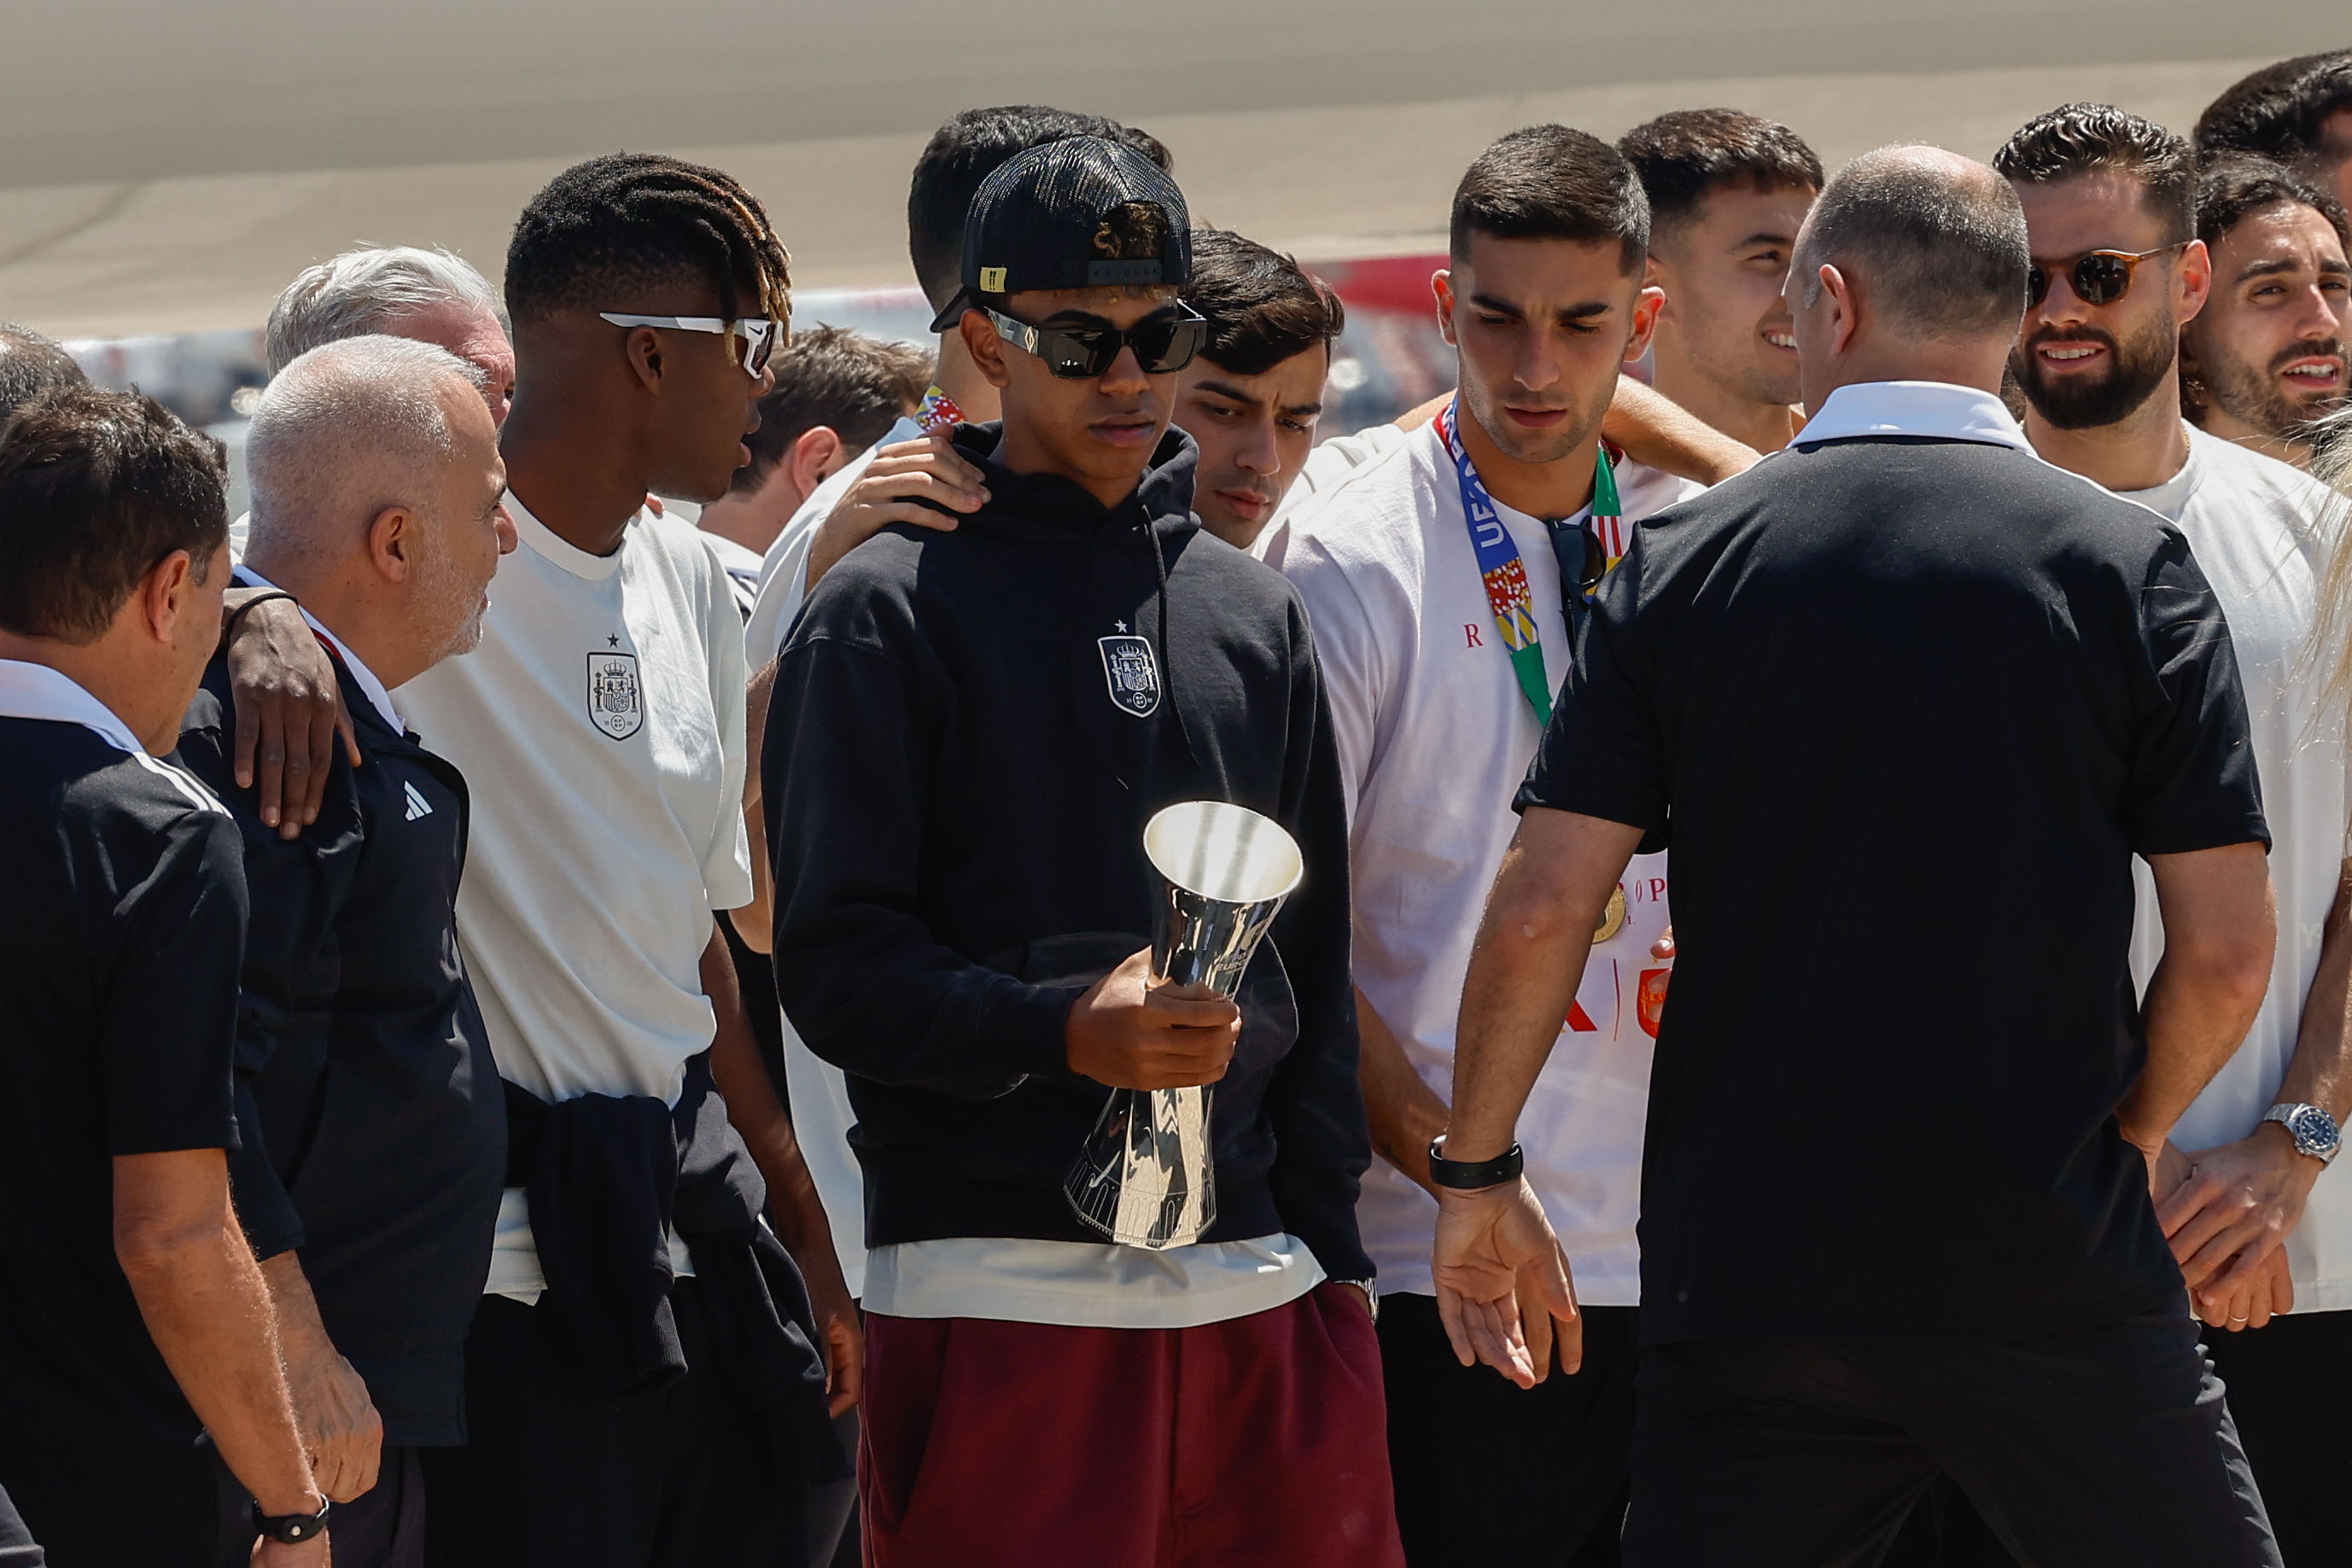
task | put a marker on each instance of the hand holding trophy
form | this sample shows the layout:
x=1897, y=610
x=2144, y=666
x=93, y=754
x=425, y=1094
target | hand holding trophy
x=1146, y=1177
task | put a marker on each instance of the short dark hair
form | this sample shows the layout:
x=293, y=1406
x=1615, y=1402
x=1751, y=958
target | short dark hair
x=2077, y=139
x=1263, y=308
x=967, y=149
x=857, y=385
x=2235, y=185
x=1687, y=155
x=32, y=367
x=2278, y=111
x=1944, y=256
x=95, y=489
x=1548, y=182
x=616, y=226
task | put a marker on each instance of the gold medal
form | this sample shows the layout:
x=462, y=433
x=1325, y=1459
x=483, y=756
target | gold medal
x=1612, y=919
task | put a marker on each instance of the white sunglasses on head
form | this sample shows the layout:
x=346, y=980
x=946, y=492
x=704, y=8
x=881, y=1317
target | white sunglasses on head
x=758, y=332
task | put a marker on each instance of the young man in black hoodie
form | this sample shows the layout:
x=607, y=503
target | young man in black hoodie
x=969, y=733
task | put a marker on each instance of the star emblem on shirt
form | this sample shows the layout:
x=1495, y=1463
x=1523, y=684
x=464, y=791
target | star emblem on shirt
x=611, y=642
x=1119, y=625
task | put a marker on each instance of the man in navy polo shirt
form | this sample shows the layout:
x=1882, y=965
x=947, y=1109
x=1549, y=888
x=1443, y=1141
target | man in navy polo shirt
x=132, y=1321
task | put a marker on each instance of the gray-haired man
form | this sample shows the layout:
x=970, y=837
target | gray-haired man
x=288, y=714
x=374, y=1126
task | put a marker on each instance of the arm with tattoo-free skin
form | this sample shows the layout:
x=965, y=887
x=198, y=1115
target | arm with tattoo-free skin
x=201, y=1298
x=289, y=708
x=1496, y=1261
x=759, y=1116
x=2229, y=1217
x=888, y=493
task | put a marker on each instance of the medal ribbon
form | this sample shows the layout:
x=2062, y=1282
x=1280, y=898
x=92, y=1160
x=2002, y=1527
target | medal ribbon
x=938, y=413
x=1503, y=571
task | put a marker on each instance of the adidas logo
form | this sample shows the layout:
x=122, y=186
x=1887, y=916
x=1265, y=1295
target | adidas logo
x=418, y=805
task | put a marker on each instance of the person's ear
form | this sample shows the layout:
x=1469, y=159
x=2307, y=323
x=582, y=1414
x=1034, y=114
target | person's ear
x=394, y=539
x=2196, y=284
x=813, y=457
x=1654, y=274
x=986, y=349
x=164, y=595
x=1441, y=290
x=643, y=347
x=1647, y=303
x=1844, y=318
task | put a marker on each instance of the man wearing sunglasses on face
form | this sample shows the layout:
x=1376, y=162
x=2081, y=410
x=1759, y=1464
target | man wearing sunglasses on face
x=610, y=1420
x=2253, y=1220
x=970, y=730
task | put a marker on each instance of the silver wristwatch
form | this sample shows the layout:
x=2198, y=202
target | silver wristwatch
x=2315, y=1132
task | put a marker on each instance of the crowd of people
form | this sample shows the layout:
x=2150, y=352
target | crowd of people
x=539, y=1030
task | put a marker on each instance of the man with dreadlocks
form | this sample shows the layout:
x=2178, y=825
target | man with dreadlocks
x=642, y=1386
x=970, y=730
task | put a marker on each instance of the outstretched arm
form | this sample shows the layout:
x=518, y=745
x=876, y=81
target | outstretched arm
x=1494, y=1245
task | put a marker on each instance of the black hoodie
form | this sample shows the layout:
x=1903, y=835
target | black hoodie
x=969, y=733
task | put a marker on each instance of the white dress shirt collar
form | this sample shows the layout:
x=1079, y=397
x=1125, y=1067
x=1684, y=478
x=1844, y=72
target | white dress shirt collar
x=377, y=696
x=1936, y=408
x=37, y=691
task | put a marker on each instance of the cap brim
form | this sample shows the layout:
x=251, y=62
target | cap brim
x=945, y=322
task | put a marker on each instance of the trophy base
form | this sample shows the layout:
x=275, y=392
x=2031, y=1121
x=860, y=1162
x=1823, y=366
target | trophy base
x=1144, y=1179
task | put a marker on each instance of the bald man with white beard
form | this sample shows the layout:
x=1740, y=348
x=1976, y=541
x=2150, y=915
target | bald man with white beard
x=374, y=1125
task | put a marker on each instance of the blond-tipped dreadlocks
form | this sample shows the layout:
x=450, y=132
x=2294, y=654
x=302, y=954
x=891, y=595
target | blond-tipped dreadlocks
x=614, y=226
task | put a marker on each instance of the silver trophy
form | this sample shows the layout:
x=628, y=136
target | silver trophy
x=1147, y=1177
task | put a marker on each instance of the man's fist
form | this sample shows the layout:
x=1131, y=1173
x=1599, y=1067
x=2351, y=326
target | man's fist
x=1130, y=1035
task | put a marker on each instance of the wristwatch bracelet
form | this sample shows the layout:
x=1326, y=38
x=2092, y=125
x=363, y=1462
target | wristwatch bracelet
x=292, y=1528
x=2315, y=1132
x=1471, y=1175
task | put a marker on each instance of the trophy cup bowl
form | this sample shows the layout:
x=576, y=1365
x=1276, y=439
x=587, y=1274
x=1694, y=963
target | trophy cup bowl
x=1148, y=1177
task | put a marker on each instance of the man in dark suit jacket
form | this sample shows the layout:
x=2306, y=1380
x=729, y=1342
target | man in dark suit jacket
x=1906, y=700
x=374, y=1126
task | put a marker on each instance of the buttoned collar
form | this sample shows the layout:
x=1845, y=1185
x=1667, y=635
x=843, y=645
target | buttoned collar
x=37, y=691
x=1938, y=410
x=377, y=696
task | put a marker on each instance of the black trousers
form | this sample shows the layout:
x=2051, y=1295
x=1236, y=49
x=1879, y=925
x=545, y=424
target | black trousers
x=555, y=1475
x=2290, y=1388
x=1489, y=1475
x=2287, y=1385
x=384, y=1527
x=2103, y=1447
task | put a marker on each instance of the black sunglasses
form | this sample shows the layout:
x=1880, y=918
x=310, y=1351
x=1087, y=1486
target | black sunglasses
x=1162, y=342
x=2099, y=277
x=1583, y=561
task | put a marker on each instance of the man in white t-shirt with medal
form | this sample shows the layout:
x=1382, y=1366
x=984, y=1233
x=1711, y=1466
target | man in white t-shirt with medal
x=2255, y=1218
x=1440, y=579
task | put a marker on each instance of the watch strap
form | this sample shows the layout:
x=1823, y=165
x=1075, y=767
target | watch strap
x=292, y=1528
x=1470, y=1175
x=2285, y=1114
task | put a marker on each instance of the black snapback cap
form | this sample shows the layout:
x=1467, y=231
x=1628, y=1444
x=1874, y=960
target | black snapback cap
x=1033, y=224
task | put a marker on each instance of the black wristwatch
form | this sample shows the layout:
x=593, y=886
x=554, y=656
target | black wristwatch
x=1472, y=1173
x=291, y=1528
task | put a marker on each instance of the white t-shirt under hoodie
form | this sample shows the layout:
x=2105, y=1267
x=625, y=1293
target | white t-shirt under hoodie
x=2253, y=524
x=600, y=728
x=1434, y=738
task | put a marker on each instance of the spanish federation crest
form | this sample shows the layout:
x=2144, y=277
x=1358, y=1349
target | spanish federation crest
x=1133, y=675
x=616, y=703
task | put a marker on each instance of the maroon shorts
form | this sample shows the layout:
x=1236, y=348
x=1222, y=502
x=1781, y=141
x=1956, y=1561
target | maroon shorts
x=1261, y=1440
